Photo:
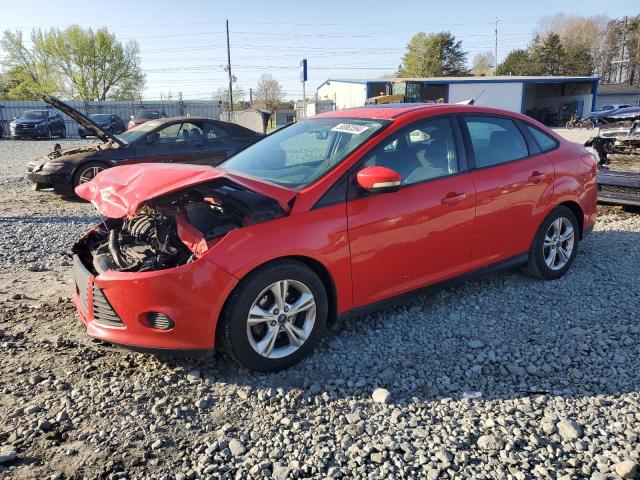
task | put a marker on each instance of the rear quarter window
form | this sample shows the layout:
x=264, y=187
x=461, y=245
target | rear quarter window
x=544, y=141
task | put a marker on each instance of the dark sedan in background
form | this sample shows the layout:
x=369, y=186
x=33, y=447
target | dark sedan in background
x=175, y=140
x=108, y=122
x=38, y=124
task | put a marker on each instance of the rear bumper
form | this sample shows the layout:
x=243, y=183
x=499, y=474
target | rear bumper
x=115, y=306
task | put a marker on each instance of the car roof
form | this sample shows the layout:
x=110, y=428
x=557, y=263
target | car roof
x=394, y=110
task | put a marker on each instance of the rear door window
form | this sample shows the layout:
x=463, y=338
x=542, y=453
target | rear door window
x=544, y=141
x=495, y=140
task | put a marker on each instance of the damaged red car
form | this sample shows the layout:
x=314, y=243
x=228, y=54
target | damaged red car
x=331, y=216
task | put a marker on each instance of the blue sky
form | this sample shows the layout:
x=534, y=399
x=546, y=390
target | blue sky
x=183, y=43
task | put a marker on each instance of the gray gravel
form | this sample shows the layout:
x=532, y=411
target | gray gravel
x=505, y=377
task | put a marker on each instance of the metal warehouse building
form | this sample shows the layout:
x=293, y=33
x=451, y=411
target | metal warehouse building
x=550, y=100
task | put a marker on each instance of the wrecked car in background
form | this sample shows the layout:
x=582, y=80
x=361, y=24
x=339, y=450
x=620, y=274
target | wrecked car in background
x=618, y=148
x=169, y=140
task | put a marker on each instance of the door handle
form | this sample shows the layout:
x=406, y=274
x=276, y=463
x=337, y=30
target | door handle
x=453, y=198
x=537, y=177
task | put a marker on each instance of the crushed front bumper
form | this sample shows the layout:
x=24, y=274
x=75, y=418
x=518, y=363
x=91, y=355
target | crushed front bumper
x=117, y=306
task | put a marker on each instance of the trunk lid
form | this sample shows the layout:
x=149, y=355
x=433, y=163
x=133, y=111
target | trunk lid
x=82, y=120
x=121, y=191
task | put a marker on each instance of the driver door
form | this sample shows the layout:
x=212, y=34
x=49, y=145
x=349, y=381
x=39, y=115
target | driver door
x=168, y=144
x=422, y=233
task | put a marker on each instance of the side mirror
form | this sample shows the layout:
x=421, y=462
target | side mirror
x=151, y=138
x=379, y=179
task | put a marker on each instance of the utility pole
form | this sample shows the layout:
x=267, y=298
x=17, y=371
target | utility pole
x=250, y=97
x=229, y=71
x=495, y=51
x=624, y=39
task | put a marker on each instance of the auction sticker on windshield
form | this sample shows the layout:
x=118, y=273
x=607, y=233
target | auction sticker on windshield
x=352, y=128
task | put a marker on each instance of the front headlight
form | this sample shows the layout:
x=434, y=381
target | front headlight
x=52, y=166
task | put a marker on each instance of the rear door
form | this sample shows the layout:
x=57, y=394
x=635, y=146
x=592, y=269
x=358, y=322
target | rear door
x=513, y=183
x=422, y=233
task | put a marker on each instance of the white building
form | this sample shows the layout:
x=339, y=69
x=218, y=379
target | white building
x=548, y=99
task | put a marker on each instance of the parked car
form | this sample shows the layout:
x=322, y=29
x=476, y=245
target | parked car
x=144, y=115
x=38, y=124
x=179, y=139
x=618, y=148
x=330, y=216
x=107, y=121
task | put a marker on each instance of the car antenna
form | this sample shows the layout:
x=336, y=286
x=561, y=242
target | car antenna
x=473, y=101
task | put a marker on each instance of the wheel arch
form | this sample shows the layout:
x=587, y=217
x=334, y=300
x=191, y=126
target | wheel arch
x=314, y=265
x=577, y=211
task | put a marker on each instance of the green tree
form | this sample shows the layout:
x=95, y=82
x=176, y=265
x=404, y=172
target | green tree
x=433, y=55
x=75, y=63
x=548, y=55
x=516, y=63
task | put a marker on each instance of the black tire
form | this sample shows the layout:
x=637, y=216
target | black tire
x=84, y=167
x=570, y=125
x=232, y=335
x=537, y=266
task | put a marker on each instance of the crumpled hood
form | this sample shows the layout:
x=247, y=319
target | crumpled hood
x=121, y=191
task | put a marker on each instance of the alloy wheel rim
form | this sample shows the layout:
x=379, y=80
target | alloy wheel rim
x=558, y=243
x=281, y=319
x=89, y=174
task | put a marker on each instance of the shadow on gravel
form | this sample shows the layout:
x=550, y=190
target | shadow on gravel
x=503, y=336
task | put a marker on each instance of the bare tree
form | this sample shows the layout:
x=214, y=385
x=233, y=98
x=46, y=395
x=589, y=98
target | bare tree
x=239, y=95
x=268, y=93
x=483, y=64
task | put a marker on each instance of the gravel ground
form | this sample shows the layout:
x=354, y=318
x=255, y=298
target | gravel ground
x=505, y=377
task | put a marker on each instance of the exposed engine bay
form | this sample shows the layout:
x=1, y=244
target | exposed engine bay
x=174, y=229
x=621, y=138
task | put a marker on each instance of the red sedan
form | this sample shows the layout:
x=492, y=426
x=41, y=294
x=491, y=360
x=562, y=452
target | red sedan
x=332, y=215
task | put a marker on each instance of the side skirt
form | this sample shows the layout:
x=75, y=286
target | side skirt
x=501, y=266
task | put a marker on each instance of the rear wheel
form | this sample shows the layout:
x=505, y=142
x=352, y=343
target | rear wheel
x=275, y=317
x=87, y=172
x=554, y=246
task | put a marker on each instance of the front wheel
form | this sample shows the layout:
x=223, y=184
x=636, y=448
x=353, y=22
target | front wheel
x=570, y=125
x=554, y=246
x=87, y=172
x=275, y=317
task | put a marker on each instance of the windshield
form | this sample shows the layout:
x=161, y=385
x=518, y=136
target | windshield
x=33, y=115
x=100, y=118
x=148, y=115
x=138, y=132
x=298, y=155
